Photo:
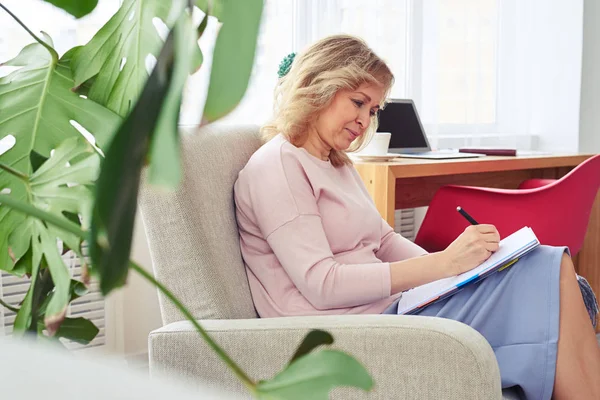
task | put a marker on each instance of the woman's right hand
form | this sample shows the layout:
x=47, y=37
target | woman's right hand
x=475, y=245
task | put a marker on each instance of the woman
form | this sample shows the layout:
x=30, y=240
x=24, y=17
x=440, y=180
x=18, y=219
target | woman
x=314, y=244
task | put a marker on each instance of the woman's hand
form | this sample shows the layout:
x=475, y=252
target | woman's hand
x=475, y=245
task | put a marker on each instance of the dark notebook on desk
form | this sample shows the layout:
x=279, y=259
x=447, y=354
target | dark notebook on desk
x=490, y=151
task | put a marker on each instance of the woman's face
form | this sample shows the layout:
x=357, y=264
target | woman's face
x=347, y=117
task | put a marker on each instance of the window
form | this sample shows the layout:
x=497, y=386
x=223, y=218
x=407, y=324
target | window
x=442, y=53
x=290, y=25
x=459, y=64
x=481, y=72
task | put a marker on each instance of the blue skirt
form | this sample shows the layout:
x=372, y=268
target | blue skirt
x=517, y=311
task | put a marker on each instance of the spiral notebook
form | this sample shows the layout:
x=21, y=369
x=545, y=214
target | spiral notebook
x=511, y=248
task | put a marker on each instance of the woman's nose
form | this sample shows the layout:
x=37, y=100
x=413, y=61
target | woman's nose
x=363, y=118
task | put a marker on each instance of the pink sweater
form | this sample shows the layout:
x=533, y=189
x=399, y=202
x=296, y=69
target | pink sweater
x=311, y=238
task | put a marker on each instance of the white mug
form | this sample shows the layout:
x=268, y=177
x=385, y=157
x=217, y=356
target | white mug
x=379, y=144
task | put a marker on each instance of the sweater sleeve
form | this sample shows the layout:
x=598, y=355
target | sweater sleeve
x=302, y=249
x=394, y=247
x=285, y=210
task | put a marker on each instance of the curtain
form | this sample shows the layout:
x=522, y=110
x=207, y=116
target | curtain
x=481, y=72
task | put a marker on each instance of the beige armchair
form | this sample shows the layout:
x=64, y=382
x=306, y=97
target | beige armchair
x=194, y=246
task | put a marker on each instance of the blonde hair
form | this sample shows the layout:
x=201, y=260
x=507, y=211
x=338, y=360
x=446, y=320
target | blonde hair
x=316, y=75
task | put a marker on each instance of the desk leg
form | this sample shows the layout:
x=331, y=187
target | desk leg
x=587, y=262
x=381, y=185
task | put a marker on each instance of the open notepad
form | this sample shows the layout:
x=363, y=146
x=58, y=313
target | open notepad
x=511, y=248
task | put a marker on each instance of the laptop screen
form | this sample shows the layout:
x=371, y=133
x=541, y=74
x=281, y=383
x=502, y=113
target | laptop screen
x=401, y=120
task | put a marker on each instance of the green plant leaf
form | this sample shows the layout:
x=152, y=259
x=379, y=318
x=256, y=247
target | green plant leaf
x=23, y=265
x=117, y=186
x=165, y=166
x=313, y=339
x=58, y=186
x=43, y=287
x=77, y=8
x=116, y=55
x=8, y=306
x=217, y=7
x=233, y=56
x=79, y=330
x=52, y=219
x=76, y=290
x=23, y=318
x=202, y=5
x=36, y=107
x=55, y=188
x=312, y=376
x=36, y=160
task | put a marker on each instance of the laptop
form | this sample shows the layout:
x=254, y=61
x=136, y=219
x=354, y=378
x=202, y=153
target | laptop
x=400, y=118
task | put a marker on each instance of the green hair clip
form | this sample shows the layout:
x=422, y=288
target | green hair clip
x=285, y=65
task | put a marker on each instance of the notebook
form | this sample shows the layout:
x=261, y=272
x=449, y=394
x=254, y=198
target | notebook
x=511, y=248
x=489, y=151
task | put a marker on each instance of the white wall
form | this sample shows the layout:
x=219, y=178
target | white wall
x=589, y=124
x=139, y=310
x=555, y=76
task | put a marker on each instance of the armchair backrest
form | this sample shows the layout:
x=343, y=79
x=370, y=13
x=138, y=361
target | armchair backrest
x=192, y=232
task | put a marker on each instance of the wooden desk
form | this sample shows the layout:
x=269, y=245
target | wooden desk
x=408, y=183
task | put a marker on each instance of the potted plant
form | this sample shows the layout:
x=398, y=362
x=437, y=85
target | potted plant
x=59, y=183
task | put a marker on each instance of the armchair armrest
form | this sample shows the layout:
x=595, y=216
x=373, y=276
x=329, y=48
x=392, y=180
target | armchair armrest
x=408, y=356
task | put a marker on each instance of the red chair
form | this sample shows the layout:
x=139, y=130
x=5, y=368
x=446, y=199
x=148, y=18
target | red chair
x=558, y=210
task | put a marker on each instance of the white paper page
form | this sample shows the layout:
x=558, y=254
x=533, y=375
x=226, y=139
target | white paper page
x=519, y=242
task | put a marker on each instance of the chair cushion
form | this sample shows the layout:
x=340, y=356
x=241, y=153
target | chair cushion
x=192, y=232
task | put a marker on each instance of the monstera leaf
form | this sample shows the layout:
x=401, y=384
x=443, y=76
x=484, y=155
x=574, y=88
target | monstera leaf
x=211, y=7
x=117, y=186
x=77, y=8
x=117, y=56
x=165, y=167
x=60, y=187
x=38, y=111
x=233, y=57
